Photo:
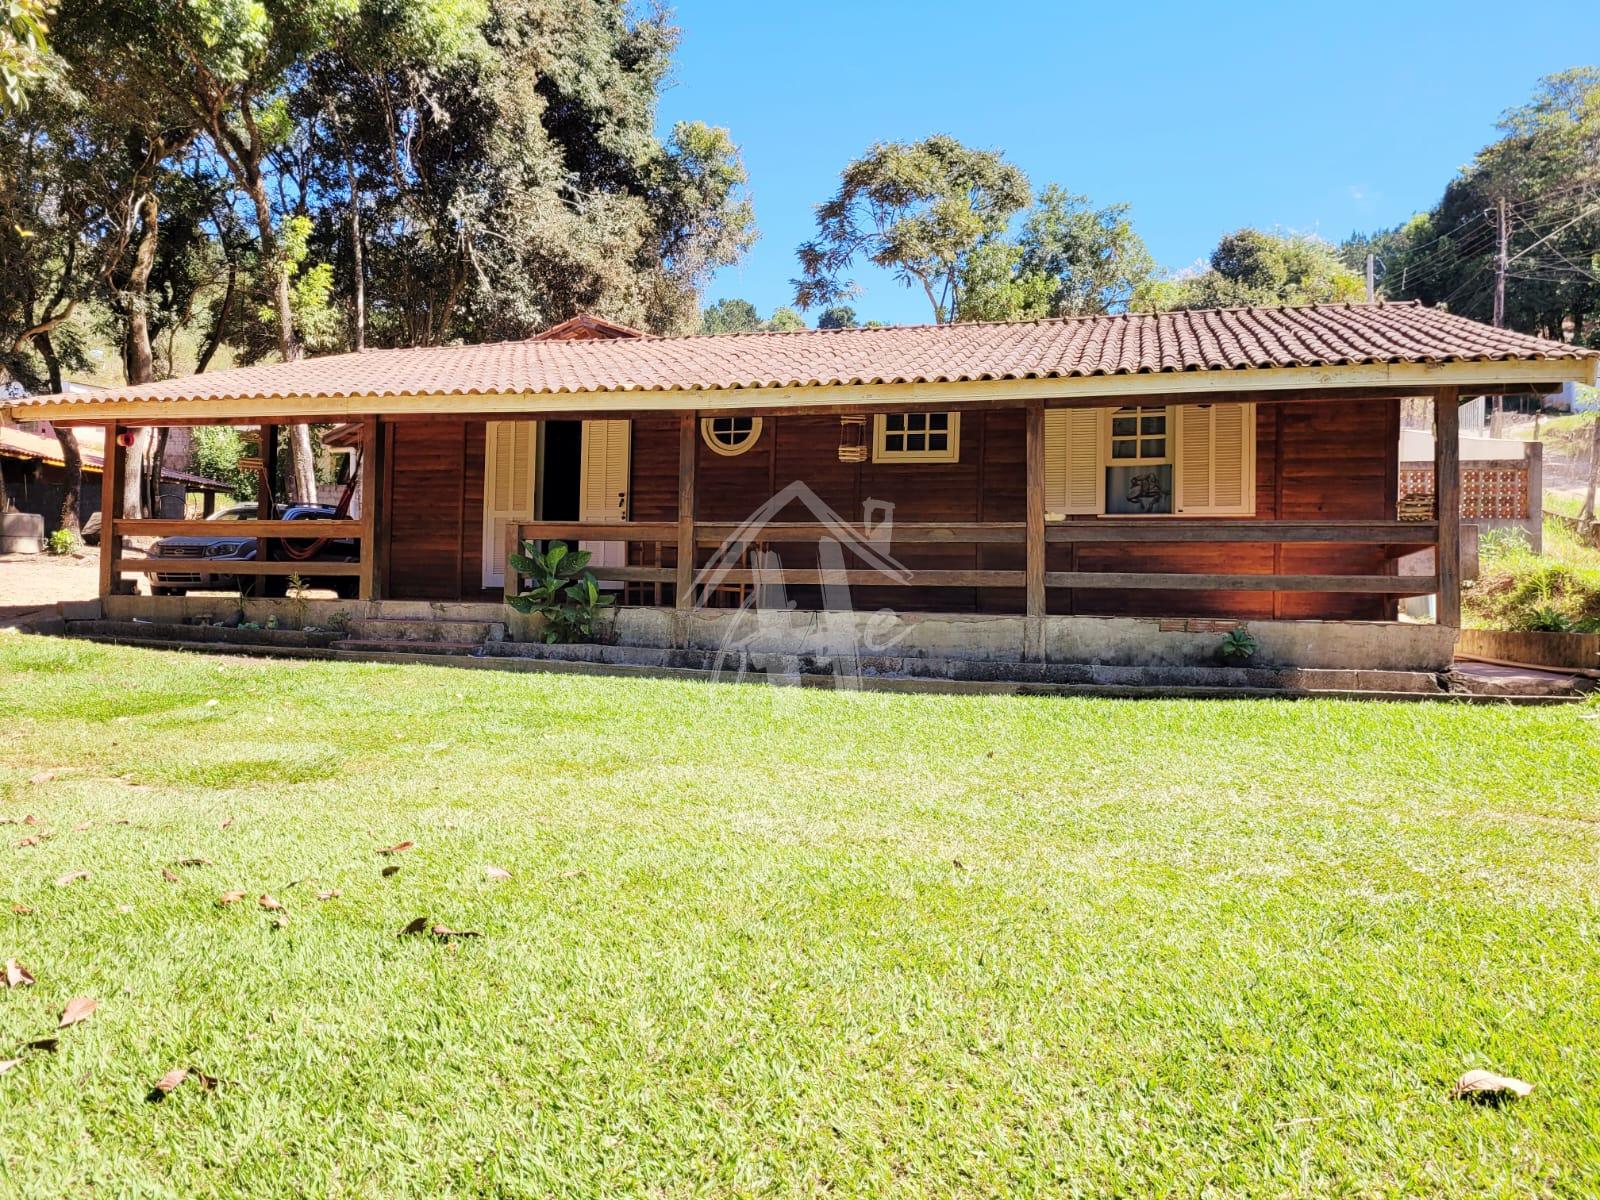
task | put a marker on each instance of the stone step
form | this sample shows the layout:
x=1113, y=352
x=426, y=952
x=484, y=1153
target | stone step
x=425, y=629
x=436, y=646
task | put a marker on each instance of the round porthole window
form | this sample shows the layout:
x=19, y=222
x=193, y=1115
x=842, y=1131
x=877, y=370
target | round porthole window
x=730, y=435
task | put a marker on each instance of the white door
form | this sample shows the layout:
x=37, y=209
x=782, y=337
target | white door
x=603, y=485
x=508, y=466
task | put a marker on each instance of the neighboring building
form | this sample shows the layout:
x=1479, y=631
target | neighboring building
x=1208, y=467
x=35, y=475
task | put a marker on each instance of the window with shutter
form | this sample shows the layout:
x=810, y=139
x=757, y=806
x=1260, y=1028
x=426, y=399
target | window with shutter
x=508, y=475
x=1073, y=484
x=1216, y=460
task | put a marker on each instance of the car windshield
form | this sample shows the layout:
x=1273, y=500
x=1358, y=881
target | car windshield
x=241, y=512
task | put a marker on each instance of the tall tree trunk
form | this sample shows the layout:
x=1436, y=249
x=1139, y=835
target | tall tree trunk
x=71, y=457
x=138, y=358
x=302, y=464
x=358, y=334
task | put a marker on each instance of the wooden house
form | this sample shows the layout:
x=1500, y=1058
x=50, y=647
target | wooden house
x=1217, y=466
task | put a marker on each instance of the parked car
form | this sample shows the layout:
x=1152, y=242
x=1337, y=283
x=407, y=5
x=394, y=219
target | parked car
x=216, y=551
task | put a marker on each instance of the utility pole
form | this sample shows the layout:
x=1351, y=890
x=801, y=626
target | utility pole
x=1501, y=263
x=1372, y=290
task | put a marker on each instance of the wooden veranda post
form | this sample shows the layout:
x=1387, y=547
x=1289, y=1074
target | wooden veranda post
x=266, y=498
x=688, y=454
x=1033, y=573
x=113, y=468
x=369, y=509
x=1447, y=502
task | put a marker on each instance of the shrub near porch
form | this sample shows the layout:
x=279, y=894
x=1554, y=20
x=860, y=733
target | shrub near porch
x=762, y=940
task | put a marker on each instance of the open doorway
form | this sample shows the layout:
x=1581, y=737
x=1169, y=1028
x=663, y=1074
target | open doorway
x=561, y=471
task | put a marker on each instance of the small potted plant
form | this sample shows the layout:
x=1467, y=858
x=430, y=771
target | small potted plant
x=1238, y=648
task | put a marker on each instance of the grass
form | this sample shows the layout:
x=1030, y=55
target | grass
x=1556, y=591
x=769, y=942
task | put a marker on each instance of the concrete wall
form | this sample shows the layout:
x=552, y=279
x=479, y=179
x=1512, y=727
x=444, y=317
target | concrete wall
x=1106, y=641
x=977, y=637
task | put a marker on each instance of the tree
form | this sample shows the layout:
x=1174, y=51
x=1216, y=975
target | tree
x=730, y=316
x=918, y=210
x=784, y=320
x=1093, y=257
x=24, y=50
x=997, y=287
x=840, y=316
x=1251, y=266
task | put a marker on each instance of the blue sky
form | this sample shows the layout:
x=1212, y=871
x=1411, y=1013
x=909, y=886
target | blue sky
x=1316, y=118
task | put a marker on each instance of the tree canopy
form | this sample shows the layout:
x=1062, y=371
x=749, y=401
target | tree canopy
x=1544, y=173
x=1251, y=266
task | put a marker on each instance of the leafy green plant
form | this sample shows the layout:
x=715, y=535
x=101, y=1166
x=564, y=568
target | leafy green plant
x=1547, y=618
x=1238, y=646
x=561, y=591
x=61, y=542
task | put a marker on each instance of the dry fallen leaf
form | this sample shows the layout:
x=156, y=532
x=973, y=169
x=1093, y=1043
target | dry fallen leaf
x=230, y=897
x=444, y=931
x=33, y=840
x=17, y=975
x=169, y=1082
x=330, y=894
x=195, y=861
x=226, y=823
x=43, y=776
x=171, y=1079
x=7, y=1063
x=268, y=902
x=71, y=877
x=79, y=1008
x=391, y=870
x=22, y=910
x=30, y=819
x=496, y=873
x=169, y=875
x=1487, y=1085
x=281, y=920
x=397, y=848
x=81, y=826
x=416, y=926
x=575, y=873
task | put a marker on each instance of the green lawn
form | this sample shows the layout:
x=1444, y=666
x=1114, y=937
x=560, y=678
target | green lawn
x=762, y=941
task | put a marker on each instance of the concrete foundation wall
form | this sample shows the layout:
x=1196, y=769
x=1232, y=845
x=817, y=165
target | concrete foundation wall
x=975, y=638
x=1106, y=641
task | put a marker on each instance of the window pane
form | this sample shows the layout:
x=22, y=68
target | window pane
x=938, y=441
x=916, y=441
x=894, y=442
x=1123, y=426
x=1125, y=449
x=1153, y=424
x=894, y=421
x=1154, y=448
x=1139, y=489
x=938, y=420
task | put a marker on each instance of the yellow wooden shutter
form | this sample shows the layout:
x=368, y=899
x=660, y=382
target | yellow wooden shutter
x=603, y=488
x=508, y=467
x=1216, y=458
x=1074, y=483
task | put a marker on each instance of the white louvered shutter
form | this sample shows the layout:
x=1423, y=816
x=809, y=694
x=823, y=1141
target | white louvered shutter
x=1216, y=459
x=1074, y=482
x=508, y=466
x=603, y=490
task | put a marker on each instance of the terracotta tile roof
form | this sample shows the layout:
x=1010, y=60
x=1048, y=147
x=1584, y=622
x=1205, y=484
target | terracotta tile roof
x=1201, y=340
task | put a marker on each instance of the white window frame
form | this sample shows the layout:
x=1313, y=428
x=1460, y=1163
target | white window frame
x=881, y=433
x=708, y=435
